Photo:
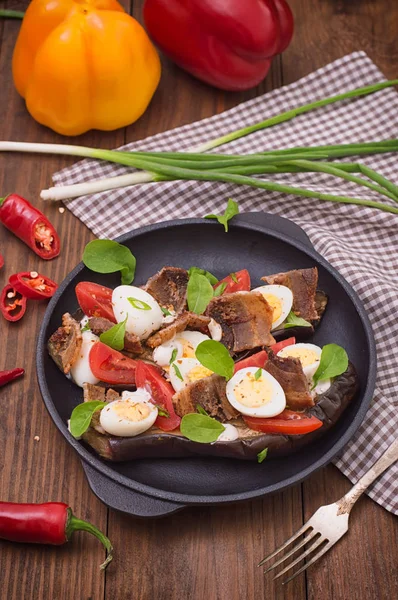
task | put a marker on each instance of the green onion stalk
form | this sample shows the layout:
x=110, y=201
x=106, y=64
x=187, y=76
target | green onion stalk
x=11, y=14
x=237, y=169
x=160, y=171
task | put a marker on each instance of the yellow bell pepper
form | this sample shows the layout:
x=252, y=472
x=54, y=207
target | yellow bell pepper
x=84, y=64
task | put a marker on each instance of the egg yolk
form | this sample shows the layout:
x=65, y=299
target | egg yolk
x=306, y=356
x=276, y=305
x=253, y=392
x=132, y=411
x=188, y=350
x=198, y=373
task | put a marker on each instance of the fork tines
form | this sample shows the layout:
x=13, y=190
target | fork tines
x=313, y=540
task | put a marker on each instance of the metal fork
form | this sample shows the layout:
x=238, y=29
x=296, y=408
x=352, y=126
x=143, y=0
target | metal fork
x=329, y=523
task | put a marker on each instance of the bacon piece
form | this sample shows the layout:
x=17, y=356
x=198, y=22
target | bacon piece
x=245, y=319
x=132, y=342
x=64, y=345
x=210, y=394
x=289, y=373
x=303, y=284
x=186, y=320
x=169, y=287
x=99, y=393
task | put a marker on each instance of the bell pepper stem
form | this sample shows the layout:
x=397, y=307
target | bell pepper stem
x=75, y=524
x=12, y=14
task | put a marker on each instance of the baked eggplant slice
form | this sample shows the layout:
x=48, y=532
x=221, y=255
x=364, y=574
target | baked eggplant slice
x=157, y=444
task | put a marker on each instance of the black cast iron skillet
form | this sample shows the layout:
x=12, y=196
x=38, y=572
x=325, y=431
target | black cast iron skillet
x=263, y=244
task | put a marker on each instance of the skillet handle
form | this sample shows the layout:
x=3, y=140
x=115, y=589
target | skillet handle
x=125, y=500
x=276, y=223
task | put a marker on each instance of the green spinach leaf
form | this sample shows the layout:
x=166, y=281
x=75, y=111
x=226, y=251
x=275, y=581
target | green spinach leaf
x=214, y=356
x=107, y=256
x=200, y=428
x=213, y=280
x=199, y=293
x=293, y=320
x=114, y=337
x=81, y=417
x=231, y=210
x=334, y=361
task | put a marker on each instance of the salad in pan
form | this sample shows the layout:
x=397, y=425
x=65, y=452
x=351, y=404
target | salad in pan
x=189, y=364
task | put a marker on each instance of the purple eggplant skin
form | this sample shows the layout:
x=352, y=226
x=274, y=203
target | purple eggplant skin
x=328, y=409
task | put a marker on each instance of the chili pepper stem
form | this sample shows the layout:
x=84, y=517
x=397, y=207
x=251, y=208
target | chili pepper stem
x=75, y=524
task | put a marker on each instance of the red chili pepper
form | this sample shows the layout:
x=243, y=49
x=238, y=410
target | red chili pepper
x=7, y=376
x=12, y=304
x=228, y=43
x=32, y=285
x=1, y=261
x=48, y=523
x=30, y=225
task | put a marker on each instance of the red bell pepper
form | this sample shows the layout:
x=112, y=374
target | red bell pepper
x=228, y=43
x=30, y=225
x=12, y=304
x=48, y=523
x=32, y=285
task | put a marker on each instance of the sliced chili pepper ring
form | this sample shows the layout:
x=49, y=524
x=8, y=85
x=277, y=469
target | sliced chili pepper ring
x=32, y=285
x=12, y=304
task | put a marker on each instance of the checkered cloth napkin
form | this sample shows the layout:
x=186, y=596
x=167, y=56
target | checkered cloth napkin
x=362, y=243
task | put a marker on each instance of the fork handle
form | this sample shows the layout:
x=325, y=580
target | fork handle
x=389, y=457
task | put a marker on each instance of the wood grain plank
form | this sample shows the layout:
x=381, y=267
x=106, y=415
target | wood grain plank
x=330, y=29
x=46, y=469
x=363, y=564
x=204, y=552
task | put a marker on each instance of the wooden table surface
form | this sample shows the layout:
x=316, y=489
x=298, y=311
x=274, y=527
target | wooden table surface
x=200, y=552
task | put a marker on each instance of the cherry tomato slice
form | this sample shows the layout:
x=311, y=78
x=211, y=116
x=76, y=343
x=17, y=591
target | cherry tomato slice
x=147, y=376
x=12, y=304
x=111, y=366
x=255, y=360
x=32, y=285
x=95, y=300
x=288, y=422
x=282, y=344
x=236, y=282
